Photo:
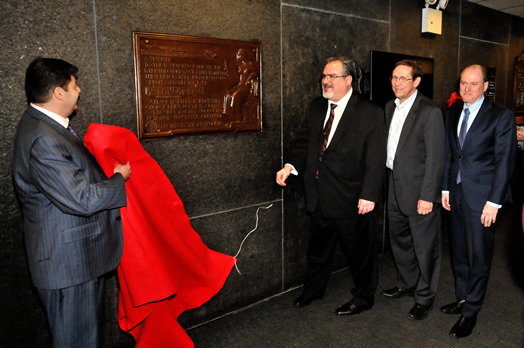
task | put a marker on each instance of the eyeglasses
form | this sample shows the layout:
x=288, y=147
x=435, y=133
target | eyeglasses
x=401, y=79
x=331, y=77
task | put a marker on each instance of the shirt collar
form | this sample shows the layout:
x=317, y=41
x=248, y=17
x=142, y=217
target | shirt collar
x=473, y=108
x=408, y=102
x=341, y=104
x=62, y=121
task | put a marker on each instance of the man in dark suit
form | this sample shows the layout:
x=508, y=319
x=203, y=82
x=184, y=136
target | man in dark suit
x=73, y=232
x=480, y=144
x=416, y=160
x=340, y=152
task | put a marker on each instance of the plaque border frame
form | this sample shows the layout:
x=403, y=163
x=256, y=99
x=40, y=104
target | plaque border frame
x=137, y=35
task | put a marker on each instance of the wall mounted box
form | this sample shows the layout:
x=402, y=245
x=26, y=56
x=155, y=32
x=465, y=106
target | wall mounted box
x=431, y=21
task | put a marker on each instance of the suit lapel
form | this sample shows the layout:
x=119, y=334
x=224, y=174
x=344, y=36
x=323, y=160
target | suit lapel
x=408, y=122
x=344, y=122
x=478, y=124
x=390, y=111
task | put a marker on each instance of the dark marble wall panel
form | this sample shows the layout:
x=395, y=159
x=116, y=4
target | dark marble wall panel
x=483, y=23
x=212, y=172
x=372, y=9
x=308, y=38
x=407, y=38
x=259, y=261
x=487, y=54
x=29, y=29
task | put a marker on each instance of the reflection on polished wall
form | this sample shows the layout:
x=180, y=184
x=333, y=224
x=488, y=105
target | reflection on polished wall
x=222, y=178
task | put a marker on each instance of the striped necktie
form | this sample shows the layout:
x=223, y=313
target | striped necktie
x=327, y=127
x=327, y=130
x=70, y=129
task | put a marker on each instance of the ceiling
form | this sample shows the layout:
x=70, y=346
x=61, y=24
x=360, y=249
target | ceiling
x=513, y=7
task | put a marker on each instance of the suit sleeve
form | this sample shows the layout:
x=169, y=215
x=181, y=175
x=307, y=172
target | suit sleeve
x=375, y=157
x=504, y=157
x=434, y=142
x=66, y=185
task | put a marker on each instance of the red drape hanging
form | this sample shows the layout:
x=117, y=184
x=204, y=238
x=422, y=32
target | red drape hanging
x=166, y=269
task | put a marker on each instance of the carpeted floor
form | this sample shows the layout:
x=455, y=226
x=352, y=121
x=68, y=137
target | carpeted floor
x=275, y=323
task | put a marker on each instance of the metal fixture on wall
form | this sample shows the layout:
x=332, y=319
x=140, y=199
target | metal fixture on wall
x=441, y=3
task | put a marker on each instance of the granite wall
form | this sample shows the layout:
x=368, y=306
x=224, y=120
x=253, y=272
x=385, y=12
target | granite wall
x=222, y=179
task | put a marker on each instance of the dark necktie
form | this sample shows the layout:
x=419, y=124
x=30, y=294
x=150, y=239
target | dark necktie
x=327, y=127
x=69, y=128
x=462, y=136
x=464, y=127
x=327, y=130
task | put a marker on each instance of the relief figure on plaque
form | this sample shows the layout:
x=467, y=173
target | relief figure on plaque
x=237, y=99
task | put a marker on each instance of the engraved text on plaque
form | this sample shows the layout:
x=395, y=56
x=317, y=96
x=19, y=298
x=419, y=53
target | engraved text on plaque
x=194, y=85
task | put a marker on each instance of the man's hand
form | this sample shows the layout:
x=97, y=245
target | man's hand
x=283, y=174
x=520, y=135
x=445, y=201
x=125, y=170
x=364, y=206
x=424, y=207
x=489, y=215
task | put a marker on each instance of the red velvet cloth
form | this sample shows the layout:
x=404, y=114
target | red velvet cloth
x=166, y=268
x=453, y=98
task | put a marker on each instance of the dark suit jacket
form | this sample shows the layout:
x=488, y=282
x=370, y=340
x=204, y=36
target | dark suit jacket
x=487, y=157
x=73, y=231
x=352, y=166
x=421, y=156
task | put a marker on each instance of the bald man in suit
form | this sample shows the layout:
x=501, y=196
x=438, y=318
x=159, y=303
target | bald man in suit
x=73, y=232
x=481, y=144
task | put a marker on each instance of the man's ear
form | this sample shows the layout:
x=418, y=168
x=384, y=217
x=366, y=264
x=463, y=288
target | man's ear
x=59, y=93
x=349, y=80
x=416, y=82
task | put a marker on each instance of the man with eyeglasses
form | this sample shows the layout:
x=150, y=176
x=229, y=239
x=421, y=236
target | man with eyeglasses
x=415, y=158
x=340, y=151
x=480, y=144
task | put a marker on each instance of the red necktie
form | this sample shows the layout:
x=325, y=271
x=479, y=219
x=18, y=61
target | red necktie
x=327, y=127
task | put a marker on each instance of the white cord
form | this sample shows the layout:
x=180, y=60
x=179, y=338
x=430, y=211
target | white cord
x=253, y=230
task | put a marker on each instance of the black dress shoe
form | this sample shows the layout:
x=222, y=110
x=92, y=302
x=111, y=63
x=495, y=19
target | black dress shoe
x=453, y=308
x=419, y=312
x=463, y=327
x=304, y=300
x=396, y=293
x=351, y=309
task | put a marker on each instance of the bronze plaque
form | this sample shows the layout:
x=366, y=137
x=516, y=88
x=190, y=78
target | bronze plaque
x=518, y=84
x=194, y=85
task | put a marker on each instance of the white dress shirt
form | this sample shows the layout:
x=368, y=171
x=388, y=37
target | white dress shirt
x=397, y=123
